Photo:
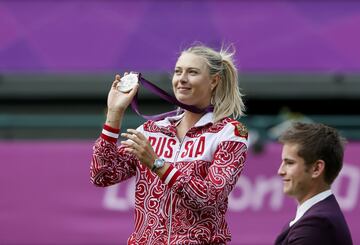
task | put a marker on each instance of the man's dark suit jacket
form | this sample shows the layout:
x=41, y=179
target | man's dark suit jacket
x=323, y=223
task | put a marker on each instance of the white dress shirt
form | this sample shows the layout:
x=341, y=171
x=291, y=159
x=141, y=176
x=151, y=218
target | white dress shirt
x=308, y=204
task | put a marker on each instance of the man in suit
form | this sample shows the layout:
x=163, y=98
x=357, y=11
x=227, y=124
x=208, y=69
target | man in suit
x=312, y=156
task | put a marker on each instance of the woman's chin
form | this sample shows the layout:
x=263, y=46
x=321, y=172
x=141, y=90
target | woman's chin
x=183, y=99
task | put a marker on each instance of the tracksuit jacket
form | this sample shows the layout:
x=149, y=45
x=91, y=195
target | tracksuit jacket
x=188, y=204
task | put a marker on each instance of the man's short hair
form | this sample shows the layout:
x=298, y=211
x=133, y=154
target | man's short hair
x=317, y=141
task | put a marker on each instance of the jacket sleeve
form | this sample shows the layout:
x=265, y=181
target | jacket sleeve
x=110, y=164
x=226, y=166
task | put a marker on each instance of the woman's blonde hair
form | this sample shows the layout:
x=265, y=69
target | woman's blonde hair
x=226, y=97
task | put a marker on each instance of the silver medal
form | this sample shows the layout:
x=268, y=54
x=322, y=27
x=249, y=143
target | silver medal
x=128, y=82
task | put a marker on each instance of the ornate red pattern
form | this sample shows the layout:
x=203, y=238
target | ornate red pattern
x=196, y=198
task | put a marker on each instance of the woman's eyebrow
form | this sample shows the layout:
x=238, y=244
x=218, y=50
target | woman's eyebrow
x=187, y=68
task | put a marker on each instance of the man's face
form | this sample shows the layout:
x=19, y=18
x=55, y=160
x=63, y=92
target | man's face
x=295, y=174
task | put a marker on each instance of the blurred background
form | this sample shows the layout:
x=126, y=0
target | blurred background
x=298, y=60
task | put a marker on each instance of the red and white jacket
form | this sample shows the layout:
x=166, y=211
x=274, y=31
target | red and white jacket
x=187, y=205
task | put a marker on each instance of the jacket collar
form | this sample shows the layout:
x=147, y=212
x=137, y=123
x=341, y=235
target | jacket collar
x=204, y=120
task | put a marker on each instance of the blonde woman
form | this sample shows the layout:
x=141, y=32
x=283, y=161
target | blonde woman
x=185, y=165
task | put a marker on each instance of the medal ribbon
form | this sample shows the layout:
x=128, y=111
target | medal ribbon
x=165, y=96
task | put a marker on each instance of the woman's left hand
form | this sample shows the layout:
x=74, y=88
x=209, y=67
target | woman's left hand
x=140, y=147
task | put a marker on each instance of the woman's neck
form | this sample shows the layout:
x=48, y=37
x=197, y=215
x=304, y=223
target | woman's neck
x=188, y=121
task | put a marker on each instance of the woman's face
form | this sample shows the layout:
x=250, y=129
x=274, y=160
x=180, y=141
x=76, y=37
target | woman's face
x=192, y=83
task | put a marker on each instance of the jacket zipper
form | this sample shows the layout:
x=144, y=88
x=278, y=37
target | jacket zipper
x=171, y=196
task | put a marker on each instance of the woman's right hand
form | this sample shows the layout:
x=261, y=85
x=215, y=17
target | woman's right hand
x=117, y=100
